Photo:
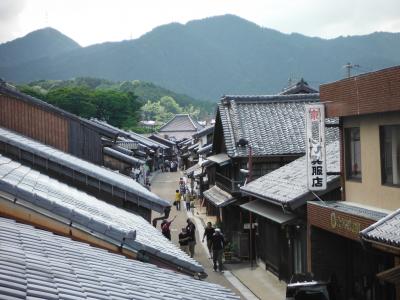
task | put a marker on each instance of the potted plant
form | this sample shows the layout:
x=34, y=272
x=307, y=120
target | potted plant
x=228, y=251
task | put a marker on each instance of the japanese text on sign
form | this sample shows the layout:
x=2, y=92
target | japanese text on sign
x=315, y=144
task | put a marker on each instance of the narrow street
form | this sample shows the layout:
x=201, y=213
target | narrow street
x=164, y=185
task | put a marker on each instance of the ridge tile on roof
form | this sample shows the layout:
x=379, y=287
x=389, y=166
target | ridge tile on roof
x=148, y=199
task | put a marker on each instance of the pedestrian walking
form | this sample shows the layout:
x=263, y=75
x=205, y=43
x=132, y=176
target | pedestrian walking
x=208, y=233
x=177, y=201
x=182, y=189
x=184, y=240
x=165, y=228
x=187, y=200
x=191, y=232
x=217, y=245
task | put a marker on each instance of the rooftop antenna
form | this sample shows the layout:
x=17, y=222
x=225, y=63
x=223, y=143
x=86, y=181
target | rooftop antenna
x=349, y=67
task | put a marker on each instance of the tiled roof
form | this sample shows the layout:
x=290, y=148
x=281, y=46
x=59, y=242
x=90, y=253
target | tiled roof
x=386, y=230
x=288, y=184
x=36, y=264
x=299, y=87
x=95, y=216
x=132, y=135
x=121, y=156
x=273, y=125
x=161, y=140
x=189, y=171
x=218, y=197
x=193, y=147
x=205, y=150
x=206, y=131
x=181, y=122
x=59, y=161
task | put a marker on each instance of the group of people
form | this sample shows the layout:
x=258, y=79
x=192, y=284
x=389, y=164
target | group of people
x=187, y=240
x=215, y=245
x=187, y=236
x=183, y=193
x=169, y=166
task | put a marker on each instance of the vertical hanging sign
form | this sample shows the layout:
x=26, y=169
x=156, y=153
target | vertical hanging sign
x=315, y=145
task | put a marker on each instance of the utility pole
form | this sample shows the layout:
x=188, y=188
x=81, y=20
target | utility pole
x=348, y=67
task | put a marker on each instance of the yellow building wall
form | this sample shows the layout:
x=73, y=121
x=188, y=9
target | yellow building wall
x=371, y=191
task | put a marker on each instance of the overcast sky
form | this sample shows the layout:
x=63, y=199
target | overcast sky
x=95, y=21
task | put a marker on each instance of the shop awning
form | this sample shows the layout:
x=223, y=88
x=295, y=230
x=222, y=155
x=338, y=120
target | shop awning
x=220, y=159
x=219, y=197
x=269, y=211
x=189, y=171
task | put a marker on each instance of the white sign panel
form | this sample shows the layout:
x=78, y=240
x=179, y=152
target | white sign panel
x=315, y=145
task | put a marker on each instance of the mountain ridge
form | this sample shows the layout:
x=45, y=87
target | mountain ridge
x=214, y=56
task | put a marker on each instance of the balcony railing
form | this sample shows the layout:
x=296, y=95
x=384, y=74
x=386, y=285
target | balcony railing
x=228, y=184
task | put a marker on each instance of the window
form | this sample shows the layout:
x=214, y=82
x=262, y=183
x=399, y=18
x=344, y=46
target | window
x=390, y=154
x=353, y=153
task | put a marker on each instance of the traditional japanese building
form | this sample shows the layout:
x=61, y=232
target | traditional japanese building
x=253, y=136
x=368, y=106
x=181, y=126
x=277, y=209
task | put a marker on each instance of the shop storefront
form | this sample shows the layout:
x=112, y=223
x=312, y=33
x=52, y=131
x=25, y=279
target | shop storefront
x=335, y=251
x=279, y=239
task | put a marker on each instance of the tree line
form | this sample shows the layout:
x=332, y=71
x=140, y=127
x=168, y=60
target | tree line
x=122, y=109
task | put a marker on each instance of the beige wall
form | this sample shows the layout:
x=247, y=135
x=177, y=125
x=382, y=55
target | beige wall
x=371, y=191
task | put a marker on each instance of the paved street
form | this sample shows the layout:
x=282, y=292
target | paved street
x=165, y=184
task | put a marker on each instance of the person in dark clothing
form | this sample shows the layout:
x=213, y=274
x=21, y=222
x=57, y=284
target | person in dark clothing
x=209, y=232
x=191, y=232
x=165, y=228
x=217, y=245
x=184, y=241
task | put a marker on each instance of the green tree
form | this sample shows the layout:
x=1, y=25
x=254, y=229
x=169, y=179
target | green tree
x=170, y=105
x=76, y=100
x=191, y=110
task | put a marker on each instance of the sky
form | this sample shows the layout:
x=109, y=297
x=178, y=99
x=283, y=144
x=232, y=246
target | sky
x=96, y=21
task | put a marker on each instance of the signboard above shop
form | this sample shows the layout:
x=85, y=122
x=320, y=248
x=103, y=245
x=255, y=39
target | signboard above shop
x=315, y=147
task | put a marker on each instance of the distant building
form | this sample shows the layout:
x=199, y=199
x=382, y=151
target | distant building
x=181, y=126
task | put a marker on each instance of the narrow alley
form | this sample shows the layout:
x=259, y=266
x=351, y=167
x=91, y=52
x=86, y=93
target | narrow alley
x=164, y=185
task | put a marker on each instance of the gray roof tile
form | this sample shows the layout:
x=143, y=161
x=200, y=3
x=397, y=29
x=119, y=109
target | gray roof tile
x=101, y=275
x=273, y=125
x=218, y=197
x=77, y=165
x=289, y=183
x=205, y=131
x=132, y=135
x=181, y=122
x=386, y=230
x=89, y=213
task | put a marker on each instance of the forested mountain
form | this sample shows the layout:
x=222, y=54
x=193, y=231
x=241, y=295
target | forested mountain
x=46, y=42
x=211, y=57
